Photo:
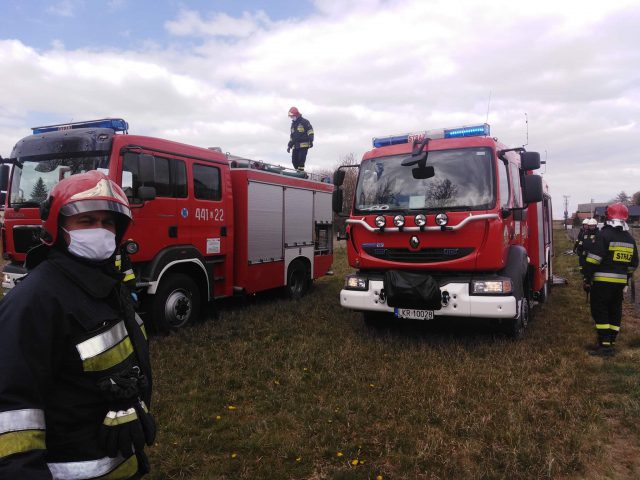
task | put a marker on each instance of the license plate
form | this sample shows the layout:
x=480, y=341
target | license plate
x=414, y=314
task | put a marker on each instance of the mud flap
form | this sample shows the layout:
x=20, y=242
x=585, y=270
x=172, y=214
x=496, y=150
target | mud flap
x=412, y=290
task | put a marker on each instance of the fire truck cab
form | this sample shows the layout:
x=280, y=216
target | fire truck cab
x=205, y=226
x=447, y=222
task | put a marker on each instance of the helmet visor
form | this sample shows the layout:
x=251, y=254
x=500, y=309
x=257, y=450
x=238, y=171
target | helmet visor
x=84, y=206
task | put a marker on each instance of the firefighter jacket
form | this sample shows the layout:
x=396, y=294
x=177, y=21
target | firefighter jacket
x=586, y=245
x=66, y=332
x=301, y=134
x=577, y=245
x=612, y=258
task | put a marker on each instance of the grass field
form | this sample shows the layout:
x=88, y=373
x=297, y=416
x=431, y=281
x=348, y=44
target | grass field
x=276, y=389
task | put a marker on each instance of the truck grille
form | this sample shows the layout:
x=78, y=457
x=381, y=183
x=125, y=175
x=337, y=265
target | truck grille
x=26, y=237
x=426, y=255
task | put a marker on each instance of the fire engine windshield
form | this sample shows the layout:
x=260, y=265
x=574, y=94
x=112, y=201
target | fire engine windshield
x=32, y=183
x=463, y=180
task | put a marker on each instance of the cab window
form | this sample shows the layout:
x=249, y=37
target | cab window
x=206, y=182
x=504, y=185
x=170, y=177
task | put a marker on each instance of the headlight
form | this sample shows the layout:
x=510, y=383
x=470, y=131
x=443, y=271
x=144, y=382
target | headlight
x=421, y=220
x=442, y=219
x=354, y=282
x=380, y=221
x=491, y=286
x=398, y=221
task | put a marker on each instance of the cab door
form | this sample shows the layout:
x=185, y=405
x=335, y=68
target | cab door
x=158, y=223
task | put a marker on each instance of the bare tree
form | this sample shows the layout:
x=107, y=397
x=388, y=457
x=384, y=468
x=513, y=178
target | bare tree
x=622, y=197
x=348, y=187
x=635, y=199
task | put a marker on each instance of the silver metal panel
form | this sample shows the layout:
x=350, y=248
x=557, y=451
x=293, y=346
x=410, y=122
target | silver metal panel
x=290, y=254
x=322, y=207
x=298, y=218
x=265, y=222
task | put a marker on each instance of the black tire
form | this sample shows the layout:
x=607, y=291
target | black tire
x=516, y=327
x=298, y=280
x=176, y=302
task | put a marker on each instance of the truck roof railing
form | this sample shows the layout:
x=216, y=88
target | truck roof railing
x=116, y=124
x=481, y=130
x=239, y=162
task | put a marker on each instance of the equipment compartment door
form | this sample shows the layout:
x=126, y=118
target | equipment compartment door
x=264, y=216
x=298, y=218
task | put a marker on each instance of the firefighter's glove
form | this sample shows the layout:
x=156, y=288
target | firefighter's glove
x=310, y=144
x=127, y=431
x=288, y=149
x=586, y=285
x=290, y=145
x=147, y=421
x=121, y=433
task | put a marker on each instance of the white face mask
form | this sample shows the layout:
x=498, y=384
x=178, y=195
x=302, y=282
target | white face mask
x=92, y=243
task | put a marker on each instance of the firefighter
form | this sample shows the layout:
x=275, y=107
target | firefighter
x=75, y=387
x=301, y=139
x=588, y=241
x=609, y=265
x=577, y=245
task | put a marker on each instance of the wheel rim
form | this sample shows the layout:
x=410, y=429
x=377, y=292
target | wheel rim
x=178, y=308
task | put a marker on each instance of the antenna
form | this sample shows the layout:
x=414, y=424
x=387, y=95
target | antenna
x=544, y=162
x=488, y=106
x=566, y=211
x=526, y=121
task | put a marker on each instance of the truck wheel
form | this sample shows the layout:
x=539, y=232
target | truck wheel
x=543, y=294
x=176, y=302
x=516, y=327
x=297, y=280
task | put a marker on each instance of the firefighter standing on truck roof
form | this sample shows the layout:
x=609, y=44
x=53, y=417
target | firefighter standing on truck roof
x=76, y=379
x=301, y=139
x=609, y=265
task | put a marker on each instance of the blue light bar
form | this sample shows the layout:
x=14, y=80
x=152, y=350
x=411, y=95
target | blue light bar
x=473, y=131
x=116, y=124
x=458, y=132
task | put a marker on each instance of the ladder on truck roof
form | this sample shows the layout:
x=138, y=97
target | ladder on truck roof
x=240, y=162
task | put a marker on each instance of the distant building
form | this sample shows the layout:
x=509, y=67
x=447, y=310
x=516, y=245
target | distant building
x=634, y=214
x=587, y=210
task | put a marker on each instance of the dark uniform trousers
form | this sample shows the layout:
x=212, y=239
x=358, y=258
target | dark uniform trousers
x=606, y=310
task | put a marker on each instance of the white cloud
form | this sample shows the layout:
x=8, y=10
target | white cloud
x=66, y=8
x=362, y=69
x=190, y=23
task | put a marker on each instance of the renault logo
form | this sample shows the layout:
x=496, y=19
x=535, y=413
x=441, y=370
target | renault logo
x=414, y=242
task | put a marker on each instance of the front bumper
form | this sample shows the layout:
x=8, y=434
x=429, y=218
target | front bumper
x=460, y=304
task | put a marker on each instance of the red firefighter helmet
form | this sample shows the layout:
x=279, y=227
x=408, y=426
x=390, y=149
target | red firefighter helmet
x=294, y=111
x=85, y=192
x=617, y=214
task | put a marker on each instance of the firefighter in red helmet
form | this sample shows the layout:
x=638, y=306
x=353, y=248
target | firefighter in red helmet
x=301, y=139
x=74, y=403
x=610, y=262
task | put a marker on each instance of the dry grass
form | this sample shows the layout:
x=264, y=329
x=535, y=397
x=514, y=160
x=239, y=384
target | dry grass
x=303, y=390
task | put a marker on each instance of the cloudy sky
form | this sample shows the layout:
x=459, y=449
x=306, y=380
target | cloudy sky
x=562, y=75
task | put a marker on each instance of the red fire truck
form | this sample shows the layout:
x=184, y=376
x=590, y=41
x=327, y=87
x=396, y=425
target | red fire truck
x=206, y=225
x=447, y=223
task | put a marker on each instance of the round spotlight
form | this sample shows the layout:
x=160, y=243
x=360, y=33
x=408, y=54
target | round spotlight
x=380, y=221
x=421, y=220
x=398, y=221
x=442, y=219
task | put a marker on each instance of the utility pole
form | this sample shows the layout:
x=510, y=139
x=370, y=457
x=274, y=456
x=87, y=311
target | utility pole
x=566, y=210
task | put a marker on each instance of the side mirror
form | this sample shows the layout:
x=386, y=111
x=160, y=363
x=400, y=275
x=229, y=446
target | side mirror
x=146, y=193
x=4, y=176
x=529, y=161
x=421, y=173
x=533, y=191
x=338, y=177
x=146, y=169
x=337, y=199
